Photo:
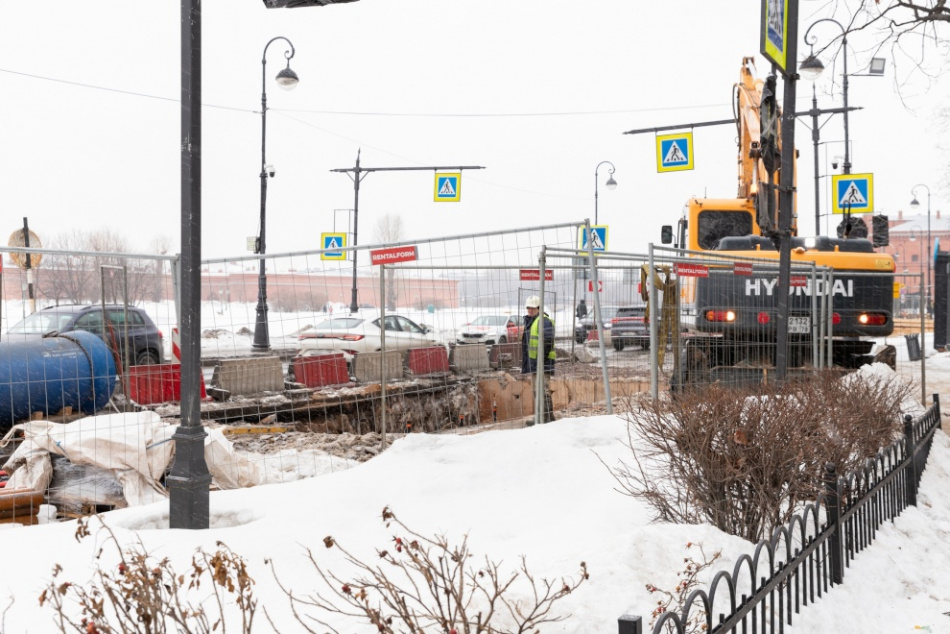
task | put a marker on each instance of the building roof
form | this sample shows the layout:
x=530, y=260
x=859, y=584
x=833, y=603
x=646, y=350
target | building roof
x=906, y=223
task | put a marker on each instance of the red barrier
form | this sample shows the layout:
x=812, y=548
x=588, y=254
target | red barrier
x=321, y=370
x=161, y=383
x=428, y=360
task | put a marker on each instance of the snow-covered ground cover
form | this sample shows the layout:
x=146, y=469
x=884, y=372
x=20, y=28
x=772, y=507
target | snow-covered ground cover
x=542, y=492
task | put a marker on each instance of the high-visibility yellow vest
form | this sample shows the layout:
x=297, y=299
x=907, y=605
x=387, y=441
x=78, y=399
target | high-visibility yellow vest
x=533, y=339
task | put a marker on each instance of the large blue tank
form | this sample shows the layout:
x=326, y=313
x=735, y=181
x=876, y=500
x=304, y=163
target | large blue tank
x=47, y=374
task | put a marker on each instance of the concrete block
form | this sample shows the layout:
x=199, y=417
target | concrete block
x=470, y=358
x=368, y=366
x=321, y=370
x=249, y=376
x=422, y=361
x=505, y=355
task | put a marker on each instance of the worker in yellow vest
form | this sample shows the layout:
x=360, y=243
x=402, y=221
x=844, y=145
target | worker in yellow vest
x=529, y=353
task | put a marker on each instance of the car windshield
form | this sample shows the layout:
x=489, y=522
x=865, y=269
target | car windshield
x=341, y=323
x=609, y=312
x=631, y=311
x=490, y=320
x=41, y=323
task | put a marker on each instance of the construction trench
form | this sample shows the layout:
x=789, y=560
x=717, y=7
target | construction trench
x=253, y=408
x=428, y=403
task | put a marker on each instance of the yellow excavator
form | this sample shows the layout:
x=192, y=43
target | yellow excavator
x=733, y=335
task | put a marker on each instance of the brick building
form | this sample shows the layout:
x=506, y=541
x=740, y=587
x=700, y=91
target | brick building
x=289, y=291
x=908, y=245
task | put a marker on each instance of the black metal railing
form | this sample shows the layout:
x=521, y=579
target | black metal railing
x=804, y=559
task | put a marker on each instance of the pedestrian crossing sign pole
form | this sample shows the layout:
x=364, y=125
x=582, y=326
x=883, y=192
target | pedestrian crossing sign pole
x=852, y=193
x=674, y=152
x=448, y=187
x=331, y=241
x=599, y=233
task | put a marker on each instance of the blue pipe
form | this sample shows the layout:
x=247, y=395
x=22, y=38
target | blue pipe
x=51, y=373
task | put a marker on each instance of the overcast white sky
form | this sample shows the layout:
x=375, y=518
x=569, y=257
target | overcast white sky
x=537, y=91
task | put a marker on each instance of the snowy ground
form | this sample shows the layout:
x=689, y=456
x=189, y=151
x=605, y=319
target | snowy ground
x=540, y=492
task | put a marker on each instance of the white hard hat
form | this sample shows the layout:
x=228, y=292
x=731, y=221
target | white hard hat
x=533, y=302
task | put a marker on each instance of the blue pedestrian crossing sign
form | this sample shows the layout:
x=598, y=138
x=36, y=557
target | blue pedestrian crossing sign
x=853, y=193
x=599, y=233
x=331, y=241
x=674, y=152
x=448, y=187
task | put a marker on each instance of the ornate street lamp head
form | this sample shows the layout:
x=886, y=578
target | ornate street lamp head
x=287, y=78
x=811, y=68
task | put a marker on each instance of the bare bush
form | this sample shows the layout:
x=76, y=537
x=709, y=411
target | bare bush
x=744, y=459
x=91, y=266
x=144, y=595
x=675, y=599
x=428, y=585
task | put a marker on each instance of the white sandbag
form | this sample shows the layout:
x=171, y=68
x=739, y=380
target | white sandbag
x=137, y=448
x=29, y=469
x=229, y=470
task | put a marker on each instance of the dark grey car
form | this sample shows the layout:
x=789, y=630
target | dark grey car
x=629, y=327
x=145, y=339
x=585, y=325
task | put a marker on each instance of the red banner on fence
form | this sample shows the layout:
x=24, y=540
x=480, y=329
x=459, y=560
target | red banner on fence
x=742, y=268
x=798, y=281
x=691, y=270
x=393, y=255
x=534, y=275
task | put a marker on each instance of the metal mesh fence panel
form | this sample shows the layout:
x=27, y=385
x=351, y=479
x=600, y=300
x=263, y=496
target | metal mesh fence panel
x=292, y=359
x=318, y=386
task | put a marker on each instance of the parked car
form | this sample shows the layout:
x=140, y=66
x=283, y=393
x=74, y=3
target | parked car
x=491, y=329
x=629, y=328
x=587, y=324
x=352, y=335
x=145, y=339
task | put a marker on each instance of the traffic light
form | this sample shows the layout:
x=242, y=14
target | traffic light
x=880, y=237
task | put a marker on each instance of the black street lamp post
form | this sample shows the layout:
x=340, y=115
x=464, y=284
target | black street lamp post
x=357, y=174
x=286, y=79
x=189, y=481
x=914, y=234
x=814, y=113
x=915, y=204
x=811, y=68
x=610, y=184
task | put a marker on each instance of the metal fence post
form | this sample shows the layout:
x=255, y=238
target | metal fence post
x=815, y=316
x=652, y=316
x=630, y=624
x=923, y=344
x=382, y=353
x=539, y=378
x=598, y=315
x=910, y=482
x=833, y=493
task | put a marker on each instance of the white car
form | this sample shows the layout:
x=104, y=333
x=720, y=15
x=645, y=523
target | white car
x=491, y=329
x=352, y=335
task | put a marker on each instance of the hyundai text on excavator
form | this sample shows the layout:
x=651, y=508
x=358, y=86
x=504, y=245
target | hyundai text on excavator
x=733, y=336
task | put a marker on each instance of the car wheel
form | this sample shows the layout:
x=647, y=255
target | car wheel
x=147, y=357
x=502, y=339
x=618, y=345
